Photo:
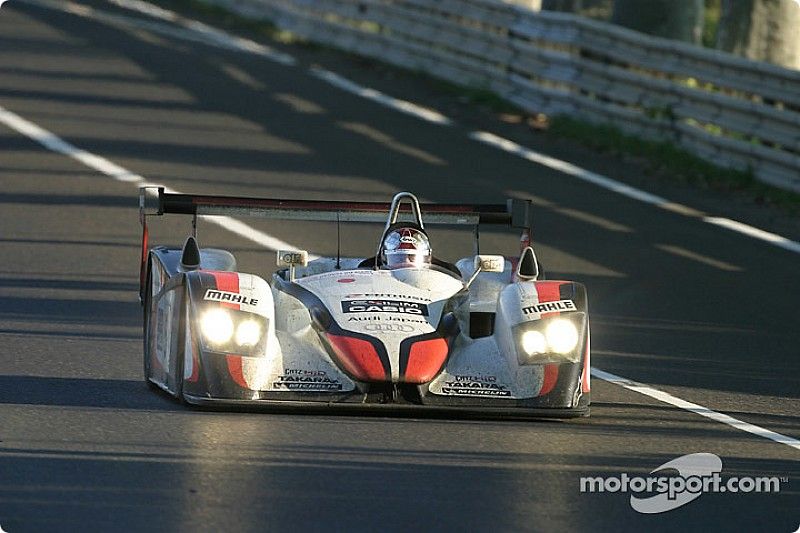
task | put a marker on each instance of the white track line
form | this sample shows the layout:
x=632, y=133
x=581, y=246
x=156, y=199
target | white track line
x=665, y=397
x=567, y=168
x=756, y=233
x=423, y=113
x=56, y=144
x=189, y=31
x=607, y=183
x=104, y=166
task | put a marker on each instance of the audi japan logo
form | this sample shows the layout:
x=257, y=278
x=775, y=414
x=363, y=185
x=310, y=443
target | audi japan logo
x=397, y=328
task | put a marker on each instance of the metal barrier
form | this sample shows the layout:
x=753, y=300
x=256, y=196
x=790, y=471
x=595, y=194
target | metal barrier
x=731, y=111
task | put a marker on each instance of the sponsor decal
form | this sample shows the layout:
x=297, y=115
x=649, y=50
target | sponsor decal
x=384, y=306
x=306, y=380
x=390, y=318
x=350, y=274
x=407, y=320
x=474, y=385
x=662, y=490
x=214, y=295
x=550, y=307
x=388, y=295
x=389, y=328
x=364, y=318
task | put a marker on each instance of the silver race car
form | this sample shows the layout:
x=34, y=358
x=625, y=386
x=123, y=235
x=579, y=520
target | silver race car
x=402, y=329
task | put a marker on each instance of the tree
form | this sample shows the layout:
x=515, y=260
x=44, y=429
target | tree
x=764, y=30
x=674, y=19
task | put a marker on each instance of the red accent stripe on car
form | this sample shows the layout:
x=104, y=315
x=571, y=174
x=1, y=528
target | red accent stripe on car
x=228, y=282
x=235, y=370
x=549, y=291
x=425, y=359
x=550, y=378
x=358, y=357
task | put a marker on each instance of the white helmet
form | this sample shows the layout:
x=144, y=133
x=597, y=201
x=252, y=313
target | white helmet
x=406, y=247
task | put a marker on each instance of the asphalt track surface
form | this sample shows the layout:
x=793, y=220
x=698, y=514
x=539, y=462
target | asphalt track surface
x=705, y=314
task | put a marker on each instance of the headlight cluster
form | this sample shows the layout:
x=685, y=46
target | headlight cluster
x=557, y=336
x=227, y=330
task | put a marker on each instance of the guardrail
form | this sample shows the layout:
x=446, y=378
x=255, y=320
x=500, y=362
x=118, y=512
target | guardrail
x=731, y=111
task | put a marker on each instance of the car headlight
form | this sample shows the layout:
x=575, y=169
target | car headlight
x=248, y=333
x=217, y=326
x=232, y=331
x=562, y=335
x=534, y=342
x=552, y=339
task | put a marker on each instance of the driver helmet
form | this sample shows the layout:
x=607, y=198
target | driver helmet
x=406, y=247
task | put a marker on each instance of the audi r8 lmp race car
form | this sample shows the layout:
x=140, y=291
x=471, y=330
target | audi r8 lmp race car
x=400, y=329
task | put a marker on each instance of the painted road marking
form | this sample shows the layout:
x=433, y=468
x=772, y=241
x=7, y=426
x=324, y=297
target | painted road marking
x=104, y=166
x=666, y=397
x=694, y=256
x=189, y=31
x=756, y=233
x=404, y=106
x=607, y=183
x=54, y=143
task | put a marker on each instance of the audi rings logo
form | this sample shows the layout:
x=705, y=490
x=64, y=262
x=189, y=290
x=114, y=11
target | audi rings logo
x=389, y=328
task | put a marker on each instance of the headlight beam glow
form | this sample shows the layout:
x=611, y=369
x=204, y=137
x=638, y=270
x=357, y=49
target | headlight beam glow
x=248, y=333
x=562, y=335
x=217, y=326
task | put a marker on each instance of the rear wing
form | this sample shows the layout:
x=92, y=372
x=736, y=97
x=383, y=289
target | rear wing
x=155, y=201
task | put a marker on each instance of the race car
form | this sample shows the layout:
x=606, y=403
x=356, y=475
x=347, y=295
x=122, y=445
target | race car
x=403, y=329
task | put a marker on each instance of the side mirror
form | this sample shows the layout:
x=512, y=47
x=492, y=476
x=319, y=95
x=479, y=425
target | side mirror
x=486, y=263
x=292, y=259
